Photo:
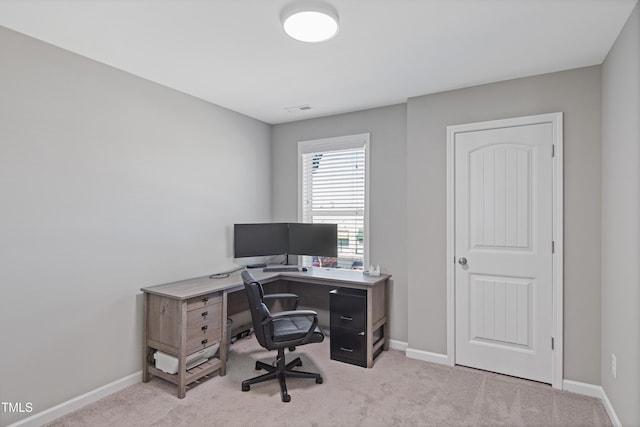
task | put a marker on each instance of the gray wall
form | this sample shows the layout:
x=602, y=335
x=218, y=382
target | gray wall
x=388, y=245
x=108, y=183
x=577, y=94
x=621, y=222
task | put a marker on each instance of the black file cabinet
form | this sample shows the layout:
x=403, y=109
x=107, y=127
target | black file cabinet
x=348, y=325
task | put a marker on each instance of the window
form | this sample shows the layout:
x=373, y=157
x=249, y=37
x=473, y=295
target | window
x=333, y=188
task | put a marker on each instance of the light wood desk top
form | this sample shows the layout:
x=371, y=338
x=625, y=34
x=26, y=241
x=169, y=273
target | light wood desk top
x=198, y=286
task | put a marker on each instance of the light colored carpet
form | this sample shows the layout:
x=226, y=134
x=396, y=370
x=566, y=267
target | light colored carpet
x=396, y=392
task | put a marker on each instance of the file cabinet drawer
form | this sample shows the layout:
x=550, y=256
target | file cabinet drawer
x=348, y=345
x=348, y=308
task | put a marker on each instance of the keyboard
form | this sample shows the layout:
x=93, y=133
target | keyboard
x=280, y=269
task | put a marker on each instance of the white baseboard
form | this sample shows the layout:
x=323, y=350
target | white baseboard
x=427, y=356
x=593, y=391
x=71, y=405
x=583, y=388
x=398, y=345
x=609, y=407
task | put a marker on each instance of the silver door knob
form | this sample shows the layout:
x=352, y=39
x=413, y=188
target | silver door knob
x=462, y=261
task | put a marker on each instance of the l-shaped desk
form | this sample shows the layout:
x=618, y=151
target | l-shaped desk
x=185, y=317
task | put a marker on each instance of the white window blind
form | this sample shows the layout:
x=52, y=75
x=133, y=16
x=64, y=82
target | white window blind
x=333, y=184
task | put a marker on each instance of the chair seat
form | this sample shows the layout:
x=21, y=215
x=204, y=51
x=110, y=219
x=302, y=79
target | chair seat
x=295, y=328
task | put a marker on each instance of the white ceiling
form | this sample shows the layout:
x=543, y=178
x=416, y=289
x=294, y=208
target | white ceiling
x=234, y=53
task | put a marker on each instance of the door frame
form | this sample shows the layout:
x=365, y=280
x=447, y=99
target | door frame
x=556, y=120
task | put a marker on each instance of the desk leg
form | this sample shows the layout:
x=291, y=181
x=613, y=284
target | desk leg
x=182, y=355
x=369, y=342
x=224, y=350
x=146, y=377
x=386, y=330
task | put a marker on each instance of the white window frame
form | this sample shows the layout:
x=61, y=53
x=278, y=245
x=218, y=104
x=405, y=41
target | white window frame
x=333, y=144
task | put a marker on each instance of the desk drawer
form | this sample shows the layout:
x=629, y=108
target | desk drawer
x=199, y=341
x=205, y=329
x=348, y=308
x=203, y=301
x=205, y=313
x=348, y=345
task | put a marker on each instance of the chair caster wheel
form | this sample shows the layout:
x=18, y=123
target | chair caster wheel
x=258, y=367
x=246, y=387
x=319, y=380
x=292, y=349
x=286, y=398
x=299, y=363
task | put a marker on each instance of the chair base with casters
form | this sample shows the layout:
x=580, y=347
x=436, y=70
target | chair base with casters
x=281, y=371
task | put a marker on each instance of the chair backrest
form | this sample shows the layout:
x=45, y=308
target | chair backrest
x=259, y=310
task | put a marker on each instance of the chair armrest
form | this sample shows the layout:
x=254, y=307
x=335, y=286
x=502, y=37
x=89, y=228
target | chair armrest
x=294, y=313
x=271, y=296
x=268, y=324
x=282, y=296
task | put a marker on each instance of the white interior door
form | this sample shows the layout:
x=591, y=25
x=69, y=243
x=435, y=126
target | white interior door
x=503, y=250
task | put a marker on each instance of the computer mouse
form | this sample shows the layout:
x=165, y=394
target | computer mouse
x=304, y=269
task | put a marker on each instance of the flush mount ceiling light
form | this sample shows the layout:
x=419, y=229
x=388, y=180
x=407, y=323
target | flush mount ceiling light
x=310, y=21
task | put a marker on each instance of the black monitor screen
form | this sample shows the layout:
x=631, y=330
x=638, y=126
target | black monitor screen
x=250, y=240
x=313, y=239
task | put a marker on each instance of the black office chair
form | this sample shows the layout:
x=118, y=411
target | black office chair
x=277, y=331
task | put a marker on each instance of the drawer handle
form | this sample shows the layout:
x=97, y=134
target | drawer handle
x=204, y=328
x=204, y=341
x=205, y=314
x=346, y=318
x=205, y=299
x=348, y=350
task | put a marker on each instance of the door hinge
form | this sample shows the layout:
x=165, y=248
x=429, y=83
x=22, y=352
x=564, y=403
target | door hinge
x=552, y=343
x=553, y=247
x=553, y=150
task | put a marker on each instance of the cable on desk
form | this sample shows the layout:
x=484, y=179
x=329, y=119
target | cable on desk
x=272, y=259
x=225, y=274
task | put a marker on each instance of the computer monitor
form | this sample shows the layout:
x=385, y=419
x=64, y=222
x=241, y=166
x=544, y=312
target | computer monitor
x=266, y=239
x=313, y=239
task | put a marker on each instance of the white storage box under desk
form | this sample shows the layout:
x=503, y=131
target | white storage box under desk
x=169, y=364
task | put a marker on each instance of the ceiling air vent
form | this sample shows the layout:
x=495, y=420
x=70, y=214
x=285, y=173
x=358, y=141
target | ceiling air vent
x=298, y=108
